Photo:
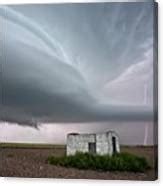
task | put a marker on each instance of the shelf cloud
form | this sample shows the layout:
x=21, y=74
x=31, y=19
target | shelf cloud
x=76, y=63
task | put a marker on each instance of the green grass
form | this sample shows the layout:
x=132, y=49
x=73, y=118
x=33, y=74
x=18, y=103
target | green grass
x=117, y=162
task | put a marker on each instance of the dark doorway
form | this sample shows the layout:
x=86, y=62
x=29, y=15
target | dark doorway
x=114, y=144
x=92, y=147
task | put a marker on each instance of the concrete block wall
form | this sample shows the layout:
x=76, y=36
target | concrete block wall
x=103, y=141
x=79, y=143
x=102, y=146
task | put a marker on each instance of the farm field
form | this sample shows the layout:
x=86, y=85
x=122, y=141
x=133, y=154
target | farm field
x=29, y=160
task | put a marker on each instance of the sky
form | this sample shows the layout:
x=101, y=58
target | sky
x=76, y=67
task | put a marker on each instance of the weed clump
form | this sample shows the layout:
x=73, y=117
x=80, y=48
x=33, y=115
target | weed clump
x=117, y=162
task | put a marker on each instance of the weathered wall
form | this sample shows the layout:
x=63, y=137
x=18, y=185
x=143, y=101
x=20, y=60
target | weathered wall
x=79, y=143
x=117, y=141
x=104, y=144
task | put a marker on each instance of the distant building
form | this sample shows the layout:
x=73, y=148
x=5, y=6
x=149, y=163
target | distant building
x=101, y=143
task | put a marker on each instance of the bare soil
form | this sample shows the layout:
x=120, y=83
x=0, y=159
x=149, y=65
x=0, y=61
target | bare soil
x=31, y=162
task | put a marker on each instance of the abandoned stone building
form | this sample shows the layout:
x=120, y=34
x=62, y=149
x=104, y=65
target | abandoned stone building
x=101, y=143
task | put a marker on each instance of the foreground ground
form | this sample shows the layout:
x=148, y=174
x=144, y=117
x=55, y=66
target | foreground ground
x=30, y=161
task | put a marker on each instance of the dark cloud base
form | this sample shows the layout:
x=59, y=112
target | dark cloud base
x=52, y=71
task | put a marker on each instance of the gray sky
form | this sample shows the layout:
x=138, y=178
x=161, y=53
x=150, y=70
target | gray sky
x=77, y=63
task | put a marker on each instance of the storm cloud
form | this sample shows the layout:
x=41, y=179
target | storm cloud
x=76, y=63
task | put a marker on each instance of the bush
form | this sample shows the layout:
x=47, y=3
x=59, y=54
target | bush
x=117, y=162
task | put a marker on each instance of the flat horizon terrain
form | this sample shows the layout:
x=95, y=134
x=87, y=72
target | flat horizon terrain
x=29, y=160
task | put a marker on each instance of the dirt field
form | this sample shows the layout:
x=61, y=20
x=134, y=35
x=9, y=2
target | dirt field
x=30, y=161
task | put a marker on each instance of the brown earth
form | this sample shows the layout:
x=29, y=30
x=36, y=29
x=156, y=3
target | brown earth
x=31, y=162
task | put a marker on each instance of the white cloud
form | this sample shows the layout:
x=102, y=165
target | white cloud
x=129, y=87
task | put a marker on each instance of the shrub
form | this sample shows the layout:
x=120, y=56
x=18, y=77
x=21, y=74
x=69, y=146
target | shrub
x=117, y=162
